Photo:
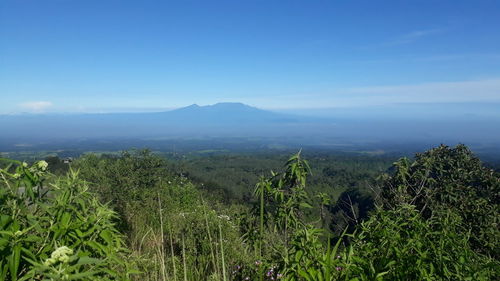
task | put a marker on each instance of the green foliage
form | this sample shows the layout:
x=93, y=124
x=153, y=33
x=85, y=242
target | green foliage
x=206, y=242
x=438, y=221
x=298, y=249
x=57, y=165
x=401, y=245
x=174, y=234
x=282, y=197
x=232, y=175
x=308, y=260
x=396, y=244
x=123, y=179
x=56, y=231
x=352, y=207
x=454, y=179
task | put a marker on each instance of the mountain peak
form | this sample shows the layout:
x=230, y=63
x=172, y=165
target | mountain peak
x=225, y=113
x=221, y=106
x=229, y=104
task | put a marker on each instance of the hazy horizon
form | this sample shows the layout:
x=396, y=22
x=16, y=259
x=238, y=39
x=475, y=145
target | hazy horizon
x=310, y=72
x=129, y=56
x=411, y=111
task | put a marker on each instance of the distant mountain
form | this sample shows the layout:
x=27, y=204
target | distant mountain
x=221, y=119
x=238, y=120
x=226, y=113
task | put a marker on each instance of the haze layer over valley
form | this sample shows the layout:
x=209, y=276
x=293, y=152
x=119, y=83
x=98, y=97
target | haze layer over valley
x=333, y=129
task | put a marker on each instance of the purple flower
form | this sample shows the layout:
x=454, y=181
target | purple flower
x=279, y=275
x=338, y=268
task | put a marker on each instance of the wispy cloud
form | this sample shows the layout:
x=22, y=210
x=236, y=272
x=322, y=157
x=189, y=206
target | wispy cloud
x=36, y=106
x=414, y=36
x=460, y=57
x=468, y=91
x=461, y=91
x=408, y=38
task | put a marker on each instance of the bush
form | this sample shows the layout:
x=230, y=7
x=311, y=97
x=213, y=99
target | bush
x=400, y=245
x=453, y=179
x=56, y=231
x=169, y=228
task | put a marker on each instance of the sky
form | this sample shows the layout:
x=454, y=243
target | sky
x=119, y=55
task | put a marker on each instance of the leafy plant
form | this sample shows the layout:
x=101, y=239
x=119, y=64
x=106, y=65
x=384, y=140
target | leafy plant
x=57, y=230
x=454, y=179
x=400, y=244
x=437, y=221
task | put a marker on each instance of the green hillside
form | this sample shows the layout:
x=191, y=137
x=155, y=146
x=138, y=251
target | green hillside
x=222, y=216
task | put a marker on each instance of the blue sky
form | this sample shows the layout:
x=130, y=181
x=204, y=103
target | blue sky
x=110, y=55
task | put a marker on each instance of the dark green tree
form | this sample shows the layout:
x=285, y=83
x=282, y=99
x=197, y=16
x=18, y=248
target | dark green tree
x=453, y=179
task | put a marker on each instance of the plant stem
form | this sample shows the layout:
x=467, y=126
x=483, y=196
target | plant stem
x=184, y=258
x=172, y=252
x=162, y=249
x=210, y=240
x=222, y=254
x=261, y=219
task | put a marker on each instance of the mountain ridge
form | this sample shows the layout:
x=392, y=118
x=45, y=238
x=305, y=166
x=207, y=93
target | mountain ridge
x=240, y=120
x=220, y=118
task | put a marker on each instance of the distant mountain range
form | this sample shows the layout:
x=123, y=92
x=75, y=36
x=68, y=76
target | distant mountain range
x=240, y=120
x=221, y=119
x=224, y=114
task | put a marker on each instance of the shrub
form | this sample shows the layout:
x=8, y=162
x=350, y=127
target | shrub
x=56, y=231
x=401, y=245
x=454, y=179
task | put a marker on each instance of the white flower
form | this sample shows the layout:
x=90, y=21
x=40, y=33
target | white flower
x=25, y=164
x=60, y=254
x=49, y=262
x=42, y=165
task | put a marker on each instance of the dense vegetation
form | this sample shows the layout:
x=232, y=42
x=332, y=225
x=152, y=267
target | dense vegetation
x=54, y=229
x=235, y=174
x=138, y=216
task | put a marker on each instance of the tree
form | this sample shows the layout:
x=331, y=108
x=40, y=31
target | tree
x=453, y=179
